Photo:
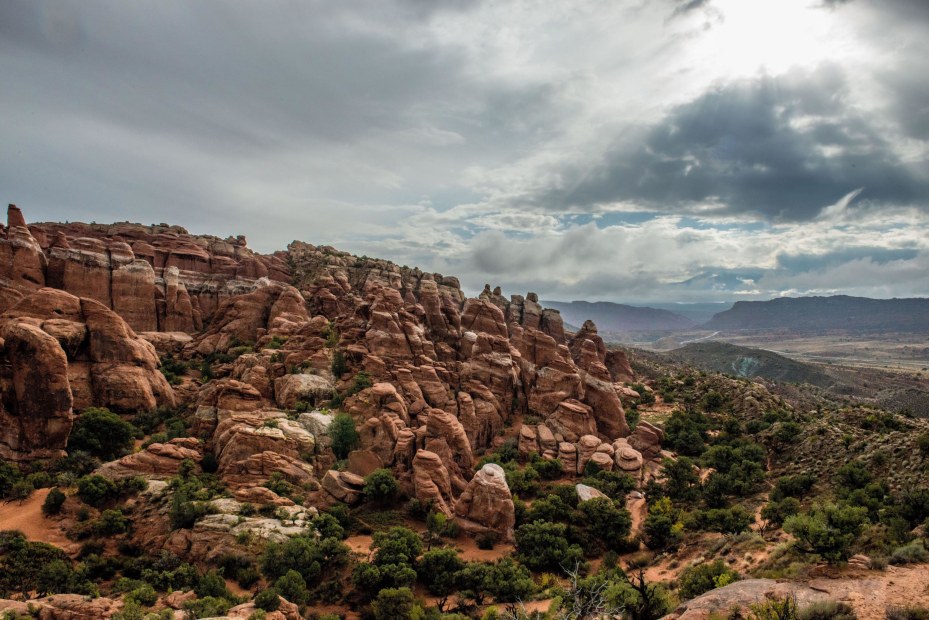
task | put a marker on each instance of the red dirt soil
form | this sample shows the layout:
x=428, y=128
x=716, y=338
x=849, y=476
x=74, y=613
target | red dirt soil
x=27, y=517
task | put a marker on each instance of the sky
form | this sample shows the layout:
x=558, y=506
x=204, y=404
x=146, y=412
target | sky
x=631, y=151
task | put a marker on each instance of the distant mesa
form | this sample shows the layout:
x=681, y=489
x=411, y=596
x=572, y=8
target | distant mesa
x=838, y=312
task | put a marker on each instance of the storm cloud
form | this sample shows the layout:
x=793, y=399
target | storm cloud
x=606, y=150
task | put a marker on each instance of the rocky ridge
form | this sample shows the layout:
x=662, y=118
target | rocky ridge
x=432, y=378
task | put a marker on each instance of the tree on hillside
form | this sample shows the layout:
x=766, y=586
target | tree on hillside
x=343, y=435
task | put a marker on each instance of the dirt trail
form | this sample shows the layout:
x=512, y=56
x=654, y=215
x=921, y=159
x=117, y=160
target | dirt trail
x=27, y=517
x=638, y=509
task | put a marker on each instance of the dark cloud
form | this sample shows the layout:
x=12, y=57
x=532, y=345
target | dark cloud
x=800, y=263
x=482, y=139
x=779, y=147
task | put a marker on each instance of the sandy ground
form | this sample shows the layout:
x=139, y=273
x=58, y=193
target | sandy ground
x=360, y=544
x=469, y=551
x=872, y=592
x=27, y=517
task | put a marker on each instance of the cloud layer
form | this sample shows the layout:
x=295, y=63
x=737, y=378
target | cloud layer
x=627, y=151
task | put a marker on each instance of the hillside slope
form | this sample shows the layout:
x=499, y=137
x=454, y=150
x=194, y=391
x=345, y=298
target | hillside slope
x=747, y=362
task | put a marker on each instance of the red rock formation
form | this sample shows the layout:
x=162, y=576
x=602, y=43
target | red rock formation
x=186, y=278
x=486, y=505
x=22, y=263
x=431, y=481
x=36, y=415
x=108, y=365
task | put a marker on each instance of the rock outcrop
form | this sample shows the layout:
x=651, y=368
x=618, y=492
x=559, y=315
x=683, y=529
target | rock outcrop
x=157, y=278
x=64, y=353
x=429, y=376
x=486, y=504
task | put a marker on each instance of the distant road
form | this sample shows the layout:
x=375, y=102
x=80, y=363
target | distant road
x=683, y=342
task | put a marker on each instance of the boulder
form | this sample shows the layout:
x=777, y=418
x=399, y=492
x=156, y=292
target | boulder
x=312, y=389
x=572, y=420
x=158, y=461
x=486, y=504
x=344, y=488
x=567, y=454
x=586, y=448
x=626, y=457
x=647, y=439
x=585, y=493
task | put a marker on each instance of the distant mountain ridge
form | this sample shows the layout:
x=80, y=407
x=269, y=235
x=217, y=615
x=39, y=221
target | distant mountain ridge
x=612, y=317
x=826, y=313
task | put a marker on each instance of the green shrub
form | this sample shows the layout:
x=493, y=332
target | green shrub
x=522, y=482
x=343, y=435
x=96, y=490
x=208, y=607
x=696, y=580
x=102, y=433
x=9, y=475
x=111, y=522
x=53, y=502
x=775, y=513
x=381, y=486
x=268, y=600
x=912, y=553
x=663, y=528
x=393, y=603
x=828, y=530
x=307, y=556
x=922, y=442
x=438, y=571
x=827, y=610
x=21, y=490
x=613, y=484
x=723, y=520
x=544, y=546
x=328, y=526
x=792, y=486
x=686, y=432
x=292, y=587
x=775, y=609
x=338, y=366
x=912, y=612
x=548, y=469
x=606, y=523
x=27, y=566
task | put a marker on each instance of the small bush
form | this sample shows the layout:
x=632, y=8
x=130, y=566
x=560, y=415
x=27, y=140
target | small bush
x=775, y=609
x=343, y=435
x=696, y=580
x=95, y=490
x=827, y=610
x=486, y=540
x=912, y=553
x=268, y=600
x=381, y=486
x=53, y=502
x=914, y=612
